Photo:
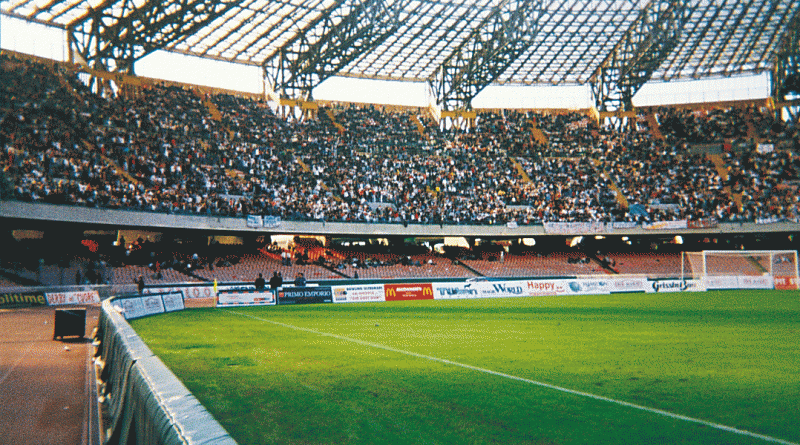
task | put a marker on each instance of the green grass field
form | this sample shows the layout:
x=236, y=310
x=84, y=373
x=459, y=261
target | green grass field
x=722, y=365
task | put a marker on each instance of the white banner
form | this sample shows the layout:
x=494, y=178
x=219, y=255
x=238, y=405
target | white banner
x=673, y=285
x=589, y=286
x=721, y=282
x=358, y=293
x=631, y=284
x=756, y=282
x=228, y=298
x=197, y=291
x=258, y=221
x=255, y=221
x=536, y=288
x=59, y=298
x=622, y=225
x=173, y=302
x=666, y=225
x=137, y=307
x=575, y=228
x=479, y=289
x=765, y=148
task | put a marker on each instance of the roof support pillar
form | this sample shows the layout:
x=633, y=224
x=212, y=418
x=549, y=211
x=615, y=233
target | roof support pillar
x=645, y=45
x=311, y=57
x=499, y=40
x=786, y=74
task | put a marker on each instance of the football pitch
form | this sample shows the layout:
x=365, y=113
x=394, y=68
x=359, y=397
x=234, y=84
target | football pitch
x=691, y=368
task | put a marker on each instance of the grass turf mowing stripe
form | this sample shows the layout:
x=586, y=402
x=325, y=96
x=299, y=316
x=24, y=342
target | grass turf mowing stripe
x=661, y=412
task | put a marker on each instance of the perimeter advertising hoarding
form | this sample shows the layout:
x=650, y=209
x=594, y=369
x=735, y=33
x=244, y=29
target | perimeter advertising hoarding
x=246, y=297
x=538, y=288
x=197, y=290
x=15, y=299
x=359, y=293
x=675, y=285
x=59, y=298
x=589, y=287
x=305, y=295
x=719, y=282
x=586, y=286
x=173, y=301
x=631, y=284
x=411, y=291
x=785, y=283
x=756, y=282
x=479, y=289
x=137, y=307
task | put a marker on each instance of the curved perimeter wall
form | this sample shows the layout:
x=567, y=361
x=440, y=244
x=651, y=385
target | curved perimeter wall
x=131, y=218
x=147, y=404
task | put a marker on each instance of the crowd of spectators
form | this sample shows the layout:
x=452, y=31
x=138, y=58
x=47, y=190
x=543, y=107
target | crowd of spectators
x=768, y=183
x=702, y=126
x=160, y=148
x=725, y=124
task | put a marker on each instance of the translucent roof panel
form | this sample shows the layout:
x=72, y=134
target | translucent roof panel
x=570, y=40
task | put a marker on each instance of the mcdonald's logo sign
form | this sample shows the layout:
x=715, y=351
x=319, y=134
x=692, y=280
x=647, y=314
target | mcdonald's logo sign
x=411, y=291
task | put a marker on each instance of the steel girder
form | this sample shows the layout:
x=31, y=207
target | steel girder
x=644, y=47
x=333, y=41
x=491, y=48
x=786, y=74
x=434, y=39
x=116, y=34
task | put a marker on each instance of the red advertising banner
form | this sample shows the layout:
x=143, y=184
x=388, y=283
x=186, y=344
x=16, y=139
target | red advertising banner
x=88, y=297
x=785, y=283
x=705, y=223
x=399, y=292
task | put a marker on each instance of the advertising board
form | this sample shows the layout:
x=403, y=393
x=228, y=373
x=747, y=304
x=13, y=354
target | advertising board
x=189, y=290
x=412, y=291
x=536, y=288
x=628, y=284
x=675, y=285
x=358, y=293
x=173, y=301
x=720, y=282
x=151, y=304
x=60, y=298
x=234, y=297
x=305, y=295
x=15, y=299
x=756, y=282
x=479, y=289
x=785, y=283
x=137, y=307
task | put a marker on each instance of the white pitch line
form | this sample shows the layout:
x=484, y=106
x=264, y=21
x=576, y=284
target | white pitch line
x=16, y=363
x=661, y=412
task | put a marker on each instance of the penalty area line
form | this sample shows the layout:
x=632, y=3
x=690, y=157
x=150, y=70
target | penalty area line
x=660, y=412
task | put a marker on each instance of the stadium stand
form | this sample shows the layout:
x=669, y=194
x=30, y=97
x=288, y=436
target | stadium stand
x=553, y=264
x=169, y=148
x=652, y=265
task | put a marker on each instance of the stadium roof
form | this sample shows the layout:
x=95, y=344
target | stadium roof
x=521, y=41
